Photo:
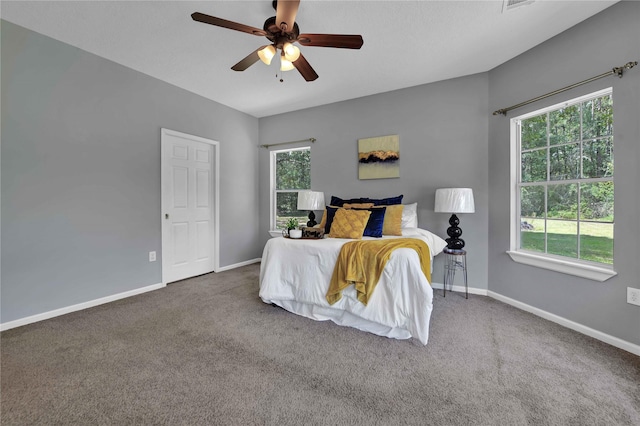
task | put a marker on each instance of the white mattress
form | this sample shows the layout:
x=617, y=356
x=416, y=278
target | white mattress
x=295, y=275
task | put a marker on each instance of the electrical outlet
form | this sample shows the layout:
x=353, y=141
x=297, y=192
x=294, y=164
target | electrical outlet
x=152, y=256
x=633, y=296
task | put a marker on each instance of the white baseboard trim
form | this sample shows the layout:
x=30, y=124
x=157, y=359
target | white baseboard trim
x=611, y=340
x=239, y=265
x=603, y=337
x=90, y=304
x=80, y=306
x=460, y=288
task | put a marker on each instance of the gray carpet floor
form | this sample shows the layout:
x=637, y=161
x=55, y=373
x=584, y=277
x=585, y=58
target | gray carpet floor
x=208, y=351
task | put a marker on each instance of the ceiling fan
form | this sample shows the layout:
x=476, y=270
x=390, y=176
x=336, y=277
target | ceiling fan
x=282, y=31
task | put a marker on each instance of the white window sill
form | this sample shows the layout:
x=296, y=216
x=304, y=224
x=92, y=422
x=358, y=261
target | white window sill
x=564, y=266
x=276, y=233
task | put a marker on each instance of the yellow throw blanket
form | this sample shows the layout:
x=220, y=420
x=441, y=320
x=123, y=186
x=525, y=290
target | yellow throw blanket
x=361, y=263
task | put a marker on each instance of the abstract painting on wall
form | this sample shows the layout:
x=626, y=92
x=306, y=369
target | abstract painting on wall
x=379, y=158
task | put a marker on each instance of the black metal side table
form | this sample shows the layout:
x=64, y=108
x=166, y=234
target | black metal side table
x=455, y=259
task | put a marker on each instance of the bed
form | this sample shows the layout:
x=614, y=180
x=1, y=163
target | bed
x=295, y=275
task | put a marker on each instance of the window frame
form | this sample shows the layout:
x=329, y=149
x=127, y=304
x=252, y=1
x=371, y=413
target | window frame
x=273, y=230
x=567, y=265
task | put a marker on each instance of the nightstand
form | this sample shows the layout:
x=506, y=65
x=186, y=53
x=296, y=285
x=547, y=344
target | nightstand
x=455, y=260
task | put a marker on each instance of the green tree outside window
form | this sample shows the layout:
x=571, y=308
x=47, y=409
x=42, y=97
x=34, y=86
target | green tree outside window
x=292, y=174
x=566, y=187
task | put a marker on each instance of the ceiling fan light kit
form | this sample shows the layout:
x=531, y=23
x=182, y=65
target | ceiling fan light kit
x=282, y=31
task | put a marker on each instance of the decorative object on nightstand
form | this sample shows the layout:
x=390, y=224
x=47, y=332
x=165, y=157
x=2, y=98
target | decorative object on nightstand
x=311, y=200
x=295, y=233
x=454, y=200
x=455, y=259
x=292, y=225
x=312, y=233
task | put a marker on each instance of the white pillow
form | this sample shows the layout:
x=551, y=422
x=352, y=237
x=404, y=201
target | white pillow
x=410, y=216
x=435, y=243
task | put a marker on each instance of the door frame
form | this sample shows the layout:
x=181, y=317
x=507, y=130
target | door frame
x=164, y=133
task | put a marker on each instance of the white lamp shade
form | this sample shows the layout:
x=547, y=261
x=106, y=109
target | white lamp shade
x=454, y=200
x=310, y=200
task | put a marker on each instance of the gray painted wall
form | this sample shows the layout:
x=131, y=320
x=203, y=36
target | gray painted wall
x=611, y=38
x=75, y=228
x=443, y=143
x=81, y=174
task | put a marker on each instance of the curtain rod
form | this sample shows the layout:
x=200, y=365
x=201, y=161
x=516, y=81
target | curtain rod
x=312, y=140
x=617, y=71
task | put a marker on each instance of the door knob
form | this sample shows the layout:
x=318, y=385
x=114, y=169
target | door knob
x=166, y=215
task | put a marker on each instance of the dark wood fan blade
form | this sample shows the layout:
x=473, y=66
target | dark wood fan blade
x=219, y=22
x=249, y=60
x=342, y=41
x=286, y=11
x=305, y=69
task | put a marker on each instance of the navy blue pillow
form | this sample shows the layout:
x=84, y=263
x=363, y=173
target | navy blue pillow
x=384, y=201
x=336, y=201
x=331, y=212
x=374, y=225
x=339, y=202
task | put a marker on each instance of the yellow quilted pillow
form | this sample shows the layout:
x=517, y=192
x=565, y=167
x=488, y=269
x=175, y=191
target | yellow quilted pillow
x=392, y=220
x=349, y=223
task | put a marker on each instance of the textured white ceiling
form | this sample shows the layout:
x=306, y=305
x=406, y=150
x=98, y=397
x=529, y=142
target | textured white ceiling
x=406, y=43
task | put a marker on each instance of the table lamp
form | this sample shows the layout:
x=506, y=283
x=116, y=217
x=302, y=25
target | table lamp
x=311, y=200
x=454, y=200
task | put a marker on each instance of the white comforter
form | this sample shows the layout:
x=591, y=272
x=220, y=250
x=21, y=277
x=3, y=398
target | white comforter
x=295, y=275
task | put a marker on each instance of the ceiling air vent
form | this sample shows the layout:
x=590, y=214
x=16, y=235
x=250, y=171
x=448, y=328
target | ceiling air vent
x=514, y=4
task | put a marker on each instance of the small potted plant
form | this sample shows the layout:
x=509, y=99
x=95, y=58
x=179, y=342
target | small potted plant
x=292, y=225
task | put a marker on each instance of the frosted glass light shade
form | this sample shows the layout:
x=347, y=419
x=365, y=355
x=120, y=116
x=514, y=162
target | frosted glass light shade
x=285, y=64
x=454, y=200
x=267, y=54
x=291, y=52
x=310, y=200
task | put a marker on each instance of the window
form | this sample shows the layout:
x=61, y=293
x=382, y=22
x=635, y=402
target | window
x=563, y=187
x=290, y=173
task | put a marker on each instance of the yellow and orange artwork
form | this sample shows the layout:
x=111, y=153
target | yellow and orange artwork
x=379, y=157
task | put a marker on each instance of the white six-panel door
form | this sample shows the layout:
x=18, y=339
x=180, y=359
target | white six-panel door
x=189, y=205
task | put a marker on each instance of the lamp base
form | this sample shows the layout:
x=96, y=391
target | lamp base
x=312, y=219
x=454, y=242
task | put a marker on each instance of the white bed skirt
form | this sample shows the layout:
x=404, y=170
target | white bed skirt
x=343, y=318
